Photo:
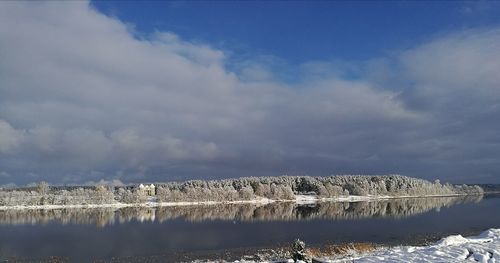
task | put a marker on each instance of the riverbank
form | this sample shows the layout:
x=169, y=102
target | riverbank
x=229, y=232
x=299, y=199
x=481, y=248
x=484, y=247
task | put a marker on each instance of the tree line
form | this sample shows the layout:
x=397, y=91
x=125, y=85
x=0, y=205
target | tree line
x=248, y=188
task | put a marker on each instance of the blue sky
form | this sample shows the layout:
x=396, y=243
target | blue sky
x=160, y=91
x=302, y=31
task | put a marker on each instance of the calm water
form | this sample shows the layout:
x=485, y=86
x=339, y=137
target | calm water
x=88, y=234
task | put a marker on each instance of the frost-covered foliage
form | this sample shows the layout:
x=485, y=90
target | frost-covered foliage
x=286, y=187
x=490, y=188
x=276, y=188
x=226, y=190
x=45, y=195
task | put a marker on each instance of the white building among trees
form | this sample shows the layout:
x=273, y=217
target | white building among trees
x=147, y=190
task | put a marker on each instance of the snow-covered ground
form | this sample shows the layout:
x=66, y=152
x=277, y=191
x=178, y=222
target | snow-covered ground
x=150, y=203
x=483, y=248
x=299, y=199
x=311, y=199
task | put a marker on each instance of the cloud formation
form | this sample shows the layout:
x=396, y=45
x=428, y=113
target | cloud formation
x=83, y=99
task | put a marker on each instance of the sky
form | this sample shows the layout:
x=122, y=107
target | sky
x=166, y=91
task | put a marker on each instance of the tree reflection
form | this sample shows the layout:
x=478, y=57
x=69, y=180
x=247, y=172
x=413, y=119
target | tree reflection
x=278, y=211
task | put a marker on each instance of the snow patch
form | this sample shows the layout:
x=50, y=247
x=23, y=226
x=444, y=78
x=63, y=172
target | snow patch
x=299, y=199
x=483, y=248
x=452, y=240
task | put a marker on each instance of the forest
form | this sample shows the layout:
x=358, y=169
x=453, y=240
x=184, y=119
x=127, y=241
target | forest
x=249, y=188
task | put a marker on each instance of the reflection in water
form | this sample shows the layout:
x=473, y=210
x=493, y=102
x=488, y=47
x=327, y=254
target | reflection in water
x=395, y=208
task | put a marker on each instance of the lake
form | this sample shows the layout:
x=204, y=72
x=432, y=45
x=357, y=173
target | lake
x=83, y=235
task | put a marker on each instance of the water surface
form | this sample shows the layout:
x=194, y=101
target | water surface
x=89, y=234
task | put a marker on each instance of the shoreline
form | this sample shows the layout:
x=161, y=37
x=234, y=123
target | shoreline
x=299, y=199
x=447, y=248
x=452, y=248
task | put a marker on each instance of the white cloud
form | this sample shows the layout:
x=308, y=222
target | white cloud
x=112, y=182
x=79, y=94
x=462, y=61
x=9, y=137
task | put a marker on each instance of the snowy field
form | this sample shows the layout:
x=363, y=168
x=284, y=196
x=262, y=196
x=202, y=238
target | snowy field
x=484, y=248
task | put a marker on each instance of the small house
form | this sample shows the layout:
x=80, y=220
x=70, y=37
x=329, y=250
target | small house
x=147, y=190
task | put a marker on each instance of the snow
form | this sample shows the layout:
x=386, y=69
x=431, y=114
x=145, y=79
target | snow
x=299, y=199
x=484, y=248
x=312, y=199
x=150, y=203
